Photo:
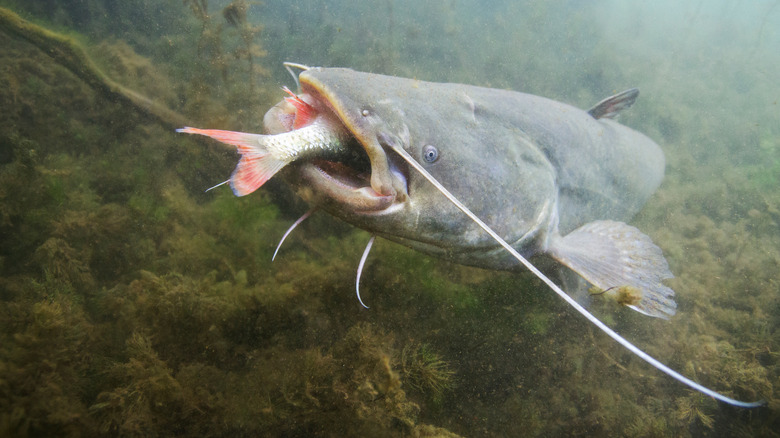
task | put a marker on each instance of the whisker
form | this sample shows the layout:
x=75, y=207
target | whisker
x=220, y=184
x=292, y=227
x=360, y=268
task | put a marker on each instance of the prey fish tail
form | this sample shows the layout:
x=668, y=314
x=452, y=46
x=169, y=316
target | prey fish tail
x=262, y=156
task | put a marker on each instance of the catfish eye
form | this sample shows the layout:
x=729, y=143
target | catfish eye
x=430, y=153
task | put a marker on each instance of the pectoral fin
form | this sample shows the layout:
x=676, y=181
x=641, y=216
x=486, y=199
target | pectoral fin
x=618, y=257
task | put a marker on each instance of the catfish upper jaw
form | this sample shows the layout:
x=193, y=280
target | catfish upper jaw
x=337, y=185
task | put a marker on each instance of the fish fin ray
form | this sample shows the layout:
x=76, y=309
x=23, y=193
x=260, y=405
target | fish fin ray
x=304, y=113
x=610, y=255
x=574, y=285
x=256, y=165
x=252, y=171
x=610, y=107
x=245, y=142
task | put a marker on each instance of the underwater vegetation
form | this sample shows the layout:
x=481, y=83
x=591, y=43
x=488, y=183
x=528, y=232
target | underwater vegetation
x=227, y=72
x=133, y=304
x=426, y=371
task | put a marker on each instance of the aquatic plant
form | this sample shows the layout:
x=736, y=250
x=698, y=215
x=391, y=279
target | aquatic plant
x=219, y=52
x=691, y=410
x=134, y=303
x=147, y=393
x=45, y=343
x=426, y=371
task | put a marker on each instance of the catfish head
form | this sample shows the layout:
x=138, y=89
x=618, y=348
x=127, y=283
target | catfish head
x=457, y=132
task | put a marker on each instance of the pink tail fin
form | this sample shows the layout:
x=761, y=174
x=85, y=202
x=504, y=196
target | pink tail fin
x=252, y=172
x=256, y=165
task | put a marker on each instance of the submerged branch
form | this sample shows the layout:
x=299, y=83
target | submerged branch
x=68, y=53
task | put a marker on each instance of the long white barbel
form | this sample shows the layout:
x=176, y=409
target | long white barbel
x=292, y=227
x=611, y=333
x=360, y=268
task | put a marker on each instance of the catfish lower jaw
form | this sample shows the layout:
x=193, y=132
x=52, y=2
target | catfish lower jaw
x=338, y=186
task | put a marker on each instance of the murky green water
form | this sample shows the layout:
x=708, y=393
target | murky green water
x=133, y=303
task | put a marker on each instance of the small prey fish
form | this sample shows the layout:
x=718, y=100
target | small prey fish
x=310, y=134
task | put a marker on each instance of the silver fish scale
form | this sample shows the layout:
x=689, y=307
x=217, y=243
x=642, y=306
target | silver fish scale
x=321, y=136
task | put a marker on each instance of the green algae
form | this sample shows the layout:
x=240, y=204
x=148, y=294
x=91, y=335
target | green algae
x=133, y=304
x=426, y=371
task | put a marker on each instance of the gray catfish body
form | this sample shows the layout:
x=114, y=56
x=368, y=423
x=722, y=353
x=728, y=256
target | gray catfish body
x=480, y=176
x=532, y=168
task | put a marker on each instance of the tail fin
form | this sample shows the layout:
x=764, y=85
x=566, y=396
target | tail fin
x=256, y=166
x=615, y=256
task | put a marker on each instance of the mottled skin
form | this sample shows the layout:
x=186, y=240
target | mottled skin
x=530, y=167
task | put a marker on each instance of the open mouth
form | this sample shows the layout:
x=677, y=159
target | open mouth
x=360, y=176
x=351, y=169
x=344, y=181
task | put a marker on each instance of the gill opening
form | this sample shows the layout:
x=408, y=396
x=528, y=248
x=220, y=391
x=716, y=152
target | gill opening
x=603, y=327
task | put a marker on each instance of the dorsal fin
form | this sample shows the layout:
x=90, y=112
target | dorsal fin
x=611, y=106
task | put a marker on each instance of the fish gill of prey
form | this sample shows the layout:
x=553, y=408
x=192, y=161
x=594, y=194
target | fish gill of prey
x=520, y=175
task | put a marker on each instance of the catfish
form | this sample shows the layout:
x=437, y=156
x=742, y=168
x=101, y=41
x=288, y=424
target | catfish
x=479, y=176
